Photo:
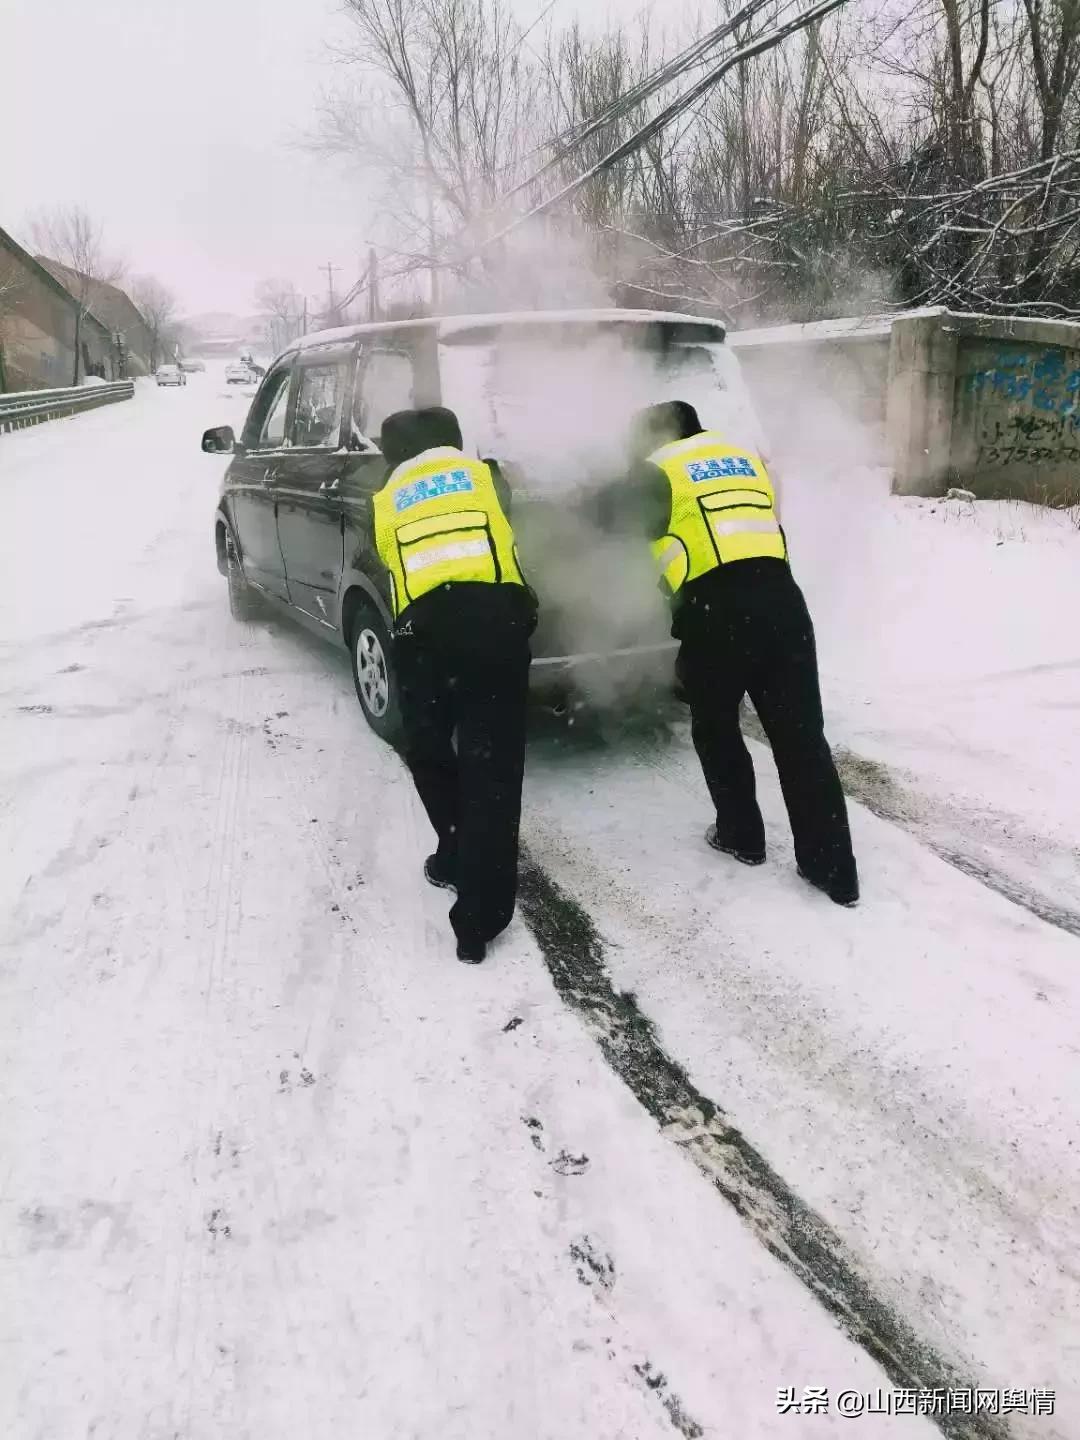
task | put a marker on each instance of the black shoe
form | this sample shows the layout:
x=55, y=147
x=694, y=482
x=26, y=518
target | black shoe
x=744, y=857
x=839, y=892
x=471, y=952
x=435, y=875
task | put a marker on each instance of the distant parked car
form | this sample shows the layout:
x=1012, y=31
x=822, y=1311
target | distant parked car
x=193, y=367
x=170, y=375
x=238, y=375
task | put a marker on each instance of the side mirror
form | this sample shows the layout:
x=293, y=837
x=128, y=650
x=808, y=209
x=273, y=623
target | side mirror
x=219, y=441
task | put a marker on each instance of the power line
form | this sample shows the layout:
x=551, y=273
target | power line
x=662, y=119
x=639, y=93
x=330, y=268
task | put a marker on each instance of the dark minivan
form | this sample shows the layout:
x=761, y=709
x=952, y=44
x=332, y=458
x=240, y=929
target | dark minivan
x=549, y=395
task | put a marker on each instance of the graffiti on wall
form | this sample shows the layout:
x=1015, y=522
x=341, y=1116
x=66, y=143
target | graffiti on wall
x=1027, y=407
x=1030, y=440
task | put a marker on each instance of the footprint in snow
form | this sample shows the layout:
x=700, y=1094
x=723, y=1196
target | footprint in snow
x=217, y=1225
x=567, y=1164
x=594, y=1267
x=535, y=1129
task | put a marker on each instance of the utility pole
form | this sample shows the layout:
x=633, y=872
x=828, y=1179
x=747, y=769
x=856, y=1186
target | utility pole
x=434, y=268
x=373, y=285
x=329, y=268
x=305, y=316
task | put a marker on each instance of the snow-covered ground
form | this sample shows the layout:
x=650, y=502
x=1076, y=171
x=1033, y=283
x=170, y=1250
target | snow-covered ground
x=950, y=654
x=275, y=1165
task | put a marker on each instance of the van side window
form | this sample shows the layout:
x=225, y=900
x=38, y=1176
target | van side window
x=317, y=419
x=385, y=382
x=264, y=428
x=692, y=362
x=272, y=435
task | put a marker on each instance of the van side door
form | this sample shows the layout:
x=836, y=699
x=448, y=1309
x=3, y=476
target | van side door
x=252, y=477
x=387, y=379
x=308, y=482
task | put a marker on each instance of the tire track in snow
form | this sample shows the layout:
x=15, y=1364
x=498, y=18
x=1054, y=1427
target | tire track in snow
x=788, y=1228
x=875, y=787
x=999, y=881
x=872, y=785
x=199, y=1280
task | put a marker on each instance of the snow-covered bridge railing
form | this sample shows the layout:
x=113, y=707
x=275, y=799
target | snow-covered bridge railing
x=30, y=407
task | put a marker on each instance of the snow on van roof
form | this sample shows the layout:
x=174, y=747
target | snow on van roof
x=459, y=325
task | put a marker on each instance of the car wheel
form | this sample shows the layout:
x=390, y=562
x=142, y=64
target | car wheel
x=244, y=603
x=373, y=674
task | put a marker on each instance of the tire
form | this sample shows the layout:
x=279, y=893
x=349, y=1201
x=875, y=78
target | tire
x=374, y=675
x=244, y=603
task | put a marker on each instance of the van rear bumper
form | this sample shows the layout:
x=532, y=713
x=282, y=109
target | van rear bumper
x=607, y=674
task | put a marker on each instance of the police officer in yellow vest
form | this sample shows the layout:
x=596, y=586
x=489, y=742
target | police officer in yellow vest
x=463, y=617
x=710, y=510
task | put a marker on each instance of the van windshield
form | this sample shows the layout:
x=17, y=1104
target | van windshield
x=559, y=400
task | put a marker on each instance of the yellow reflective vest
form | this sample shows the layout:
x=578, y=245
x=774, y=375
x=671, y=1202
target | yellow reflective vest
x=438, y=521
x=723, y=508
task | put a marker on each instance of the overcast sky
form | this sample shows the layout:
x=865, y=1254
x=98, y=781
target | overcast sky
x=176, y=122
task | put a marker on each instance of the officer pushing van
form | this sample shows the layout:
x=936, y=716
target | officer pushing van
x=463, y=615
x=709, y=509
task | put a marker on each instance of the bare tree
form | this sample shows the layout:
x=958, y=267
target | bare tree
x=73, y=238
x=11, y=283
x=157, y=306
x=787, y=161
x=444, y=102
x=12, y=288
x=282, y=305
x=1054, y=43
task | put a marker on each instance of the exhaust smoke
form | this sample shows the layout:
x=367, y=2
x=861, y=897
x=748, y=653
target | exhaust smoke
x=552, y=400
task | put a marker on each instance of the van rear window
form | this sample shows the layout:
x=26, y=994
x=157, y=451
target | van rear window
x=561, y=399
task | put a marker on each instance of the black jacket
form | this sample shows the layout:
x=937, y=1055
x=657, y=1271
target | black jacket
x=638, y=504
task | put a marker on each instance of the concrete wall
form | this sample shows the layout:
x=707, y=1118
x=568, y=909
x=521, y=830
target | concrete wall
x=37, y=326
x=848, y=360
x=38, y=338
x=1016, y=426
x=37, y=334
x=984, y=402
x=115, y=311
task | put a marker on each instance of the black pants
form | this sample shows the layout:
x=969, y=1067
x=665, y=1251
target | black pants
x=751, y=633
x=472, y=690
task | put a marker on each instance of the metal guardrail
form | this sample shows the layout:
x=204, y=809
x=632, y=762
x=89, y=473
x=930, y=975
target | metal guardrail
x=31, y=407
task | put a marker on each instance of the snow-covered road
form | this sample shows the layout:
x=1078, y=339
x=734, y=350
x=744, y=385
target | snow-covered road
x=275, y=1166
